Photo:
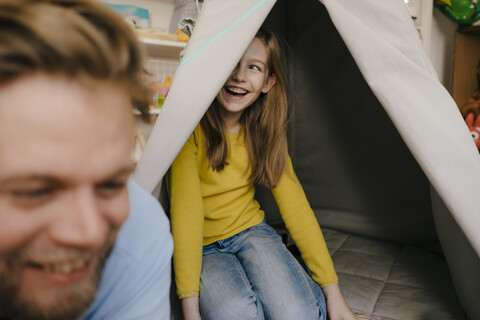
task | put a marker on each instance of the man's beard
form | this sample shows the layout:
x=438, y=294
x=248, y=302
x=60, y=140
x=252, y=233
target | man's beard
x=70, y=302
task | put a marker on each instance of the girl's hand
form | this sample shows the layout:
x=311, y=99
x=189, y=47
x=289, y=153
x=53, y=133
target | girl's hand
x=191, y=308
x=337, y=307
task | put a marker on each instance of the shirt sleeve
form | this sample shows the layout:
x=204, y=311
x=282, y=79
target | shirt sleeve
x=187, y=217
x=303, y=227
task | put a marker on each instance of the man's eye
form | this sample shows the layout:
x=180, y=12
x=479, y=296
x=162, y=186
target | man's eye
x=110, y=187
x=29, y=197
x=33, y=193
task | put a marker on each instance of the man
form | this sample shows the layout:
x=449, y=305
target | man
x=78, y=238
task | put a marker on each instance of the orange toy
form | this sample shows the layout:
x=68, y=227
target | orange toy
x=471, y=112
x=473, y=125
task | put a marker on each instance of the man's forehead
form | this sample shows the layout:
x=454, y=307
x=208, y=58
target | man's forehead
x=63, y=130
x=55, y=177
x=40, y=95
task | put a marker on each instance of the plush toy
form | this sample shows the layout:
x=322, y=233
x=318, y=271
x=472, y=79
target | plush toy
x=472, y=105
x=463, y=12
x=471, y=112
x=474, y=127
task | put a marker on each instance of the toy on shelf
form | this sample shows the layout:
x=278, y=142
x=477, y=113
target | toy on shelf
x=161, y=77
x=182, y=36
x=471, y=112
x=160, y=90
x=463, y=12
x=473, y=125
x=472, y=105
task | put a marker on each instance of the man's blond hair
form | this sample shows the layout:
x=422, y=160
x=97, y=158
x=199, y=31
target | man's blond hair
x=79, y=39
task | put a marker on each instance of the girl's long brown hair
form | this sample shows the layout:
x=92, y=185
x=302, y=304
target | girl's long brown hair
x=264, y=125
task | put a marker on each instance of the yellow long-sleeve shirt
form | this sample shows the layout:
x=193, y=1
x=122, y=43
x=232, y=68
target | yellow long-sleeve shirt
x=207, y=206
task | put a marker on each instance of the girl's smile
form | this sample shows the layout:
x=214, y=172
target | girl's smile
x=247, y=81
x=235, y=91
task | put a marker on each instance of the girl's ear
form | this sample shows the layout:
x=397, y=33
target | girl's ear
x=271, y=80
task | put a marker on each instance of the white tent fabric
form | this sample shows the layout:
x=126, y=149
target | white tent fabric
x=222, y=33
x=385, y=45
x=390, y=56
x=383, y=41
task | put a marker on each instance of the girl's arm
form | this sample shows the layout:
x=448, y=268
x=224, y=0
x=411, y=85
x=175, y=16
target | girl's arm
x=303, y=226
x=191, y=308
x=187, y=214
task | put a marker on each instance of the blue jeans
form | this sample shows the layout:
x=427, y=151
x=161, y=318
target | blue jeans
x=252, y=275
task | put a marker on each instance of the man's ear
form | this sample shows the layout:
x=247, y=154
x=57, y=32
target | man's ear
x=272, y=79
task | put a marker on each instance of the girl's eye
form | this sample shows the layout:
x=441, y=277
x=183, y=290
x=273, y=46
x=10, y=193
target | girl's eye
x=256, y=68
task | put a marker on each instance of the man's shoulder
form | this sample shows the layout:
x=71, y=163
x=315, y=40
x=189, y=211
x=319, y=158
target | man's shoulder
x=136, y=277
x=146, y=223
x=144, y=239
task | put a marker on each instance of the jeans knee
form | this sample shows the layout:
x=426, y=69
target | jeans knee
x=295, y=311
x=231, y=308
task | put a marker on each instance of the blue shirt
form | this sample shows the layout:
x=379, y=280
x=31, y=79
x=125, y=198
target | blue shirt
x=136, y=280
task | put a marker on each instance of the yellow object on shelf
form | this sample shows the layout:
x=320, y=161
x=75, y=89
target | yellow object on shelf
x=162, y=35
x=182, y=36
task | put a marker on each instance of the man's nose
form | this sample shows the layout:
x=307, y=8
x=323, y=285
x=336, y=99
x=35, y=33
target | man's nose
x=81, y=223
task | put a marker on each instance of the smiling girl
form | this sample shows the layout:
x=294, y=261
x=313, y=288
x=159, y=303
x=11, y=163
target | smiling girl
x=230, y=264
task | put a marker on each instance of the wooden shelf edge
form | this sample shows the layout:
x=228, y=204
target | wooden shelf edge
x=151, y=111
x=162, y=43
x=475, y=29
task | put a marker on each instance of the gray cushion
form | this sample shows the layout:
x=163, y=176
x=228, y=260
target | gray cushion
x=391, y=281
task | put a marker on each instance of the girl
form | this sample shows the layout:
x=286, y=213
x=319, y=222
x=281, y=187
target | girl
x=229, y=264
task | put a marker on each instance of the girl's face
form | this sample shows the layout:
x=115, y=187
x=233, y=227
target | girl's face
x=249, y=78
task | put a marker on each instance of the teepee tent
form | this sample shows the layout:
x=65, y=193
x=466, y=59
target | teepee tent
x=374, y=133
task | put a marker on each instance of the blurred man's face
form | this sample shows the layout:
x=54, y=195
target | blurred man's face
x=64, y=164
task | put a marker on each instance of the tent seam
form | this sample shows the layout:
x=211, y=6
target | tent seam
x=250, y=11
x=418, y=44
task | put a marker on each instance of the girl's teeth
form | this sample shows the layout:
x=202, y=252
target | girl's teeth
x=238, y=91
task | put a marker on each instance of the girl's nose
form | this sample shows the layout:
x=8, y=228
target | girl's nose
x=238, y=73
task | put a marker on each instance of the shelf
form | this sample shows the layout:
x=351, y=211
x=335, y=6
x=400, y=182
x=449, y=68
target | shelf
x=151, y=111
x=470, y=30
x=165, y=49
